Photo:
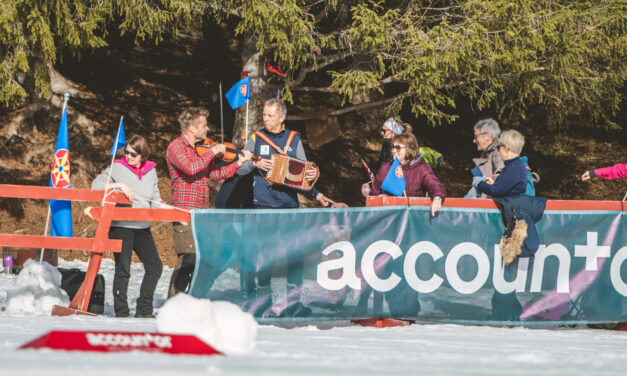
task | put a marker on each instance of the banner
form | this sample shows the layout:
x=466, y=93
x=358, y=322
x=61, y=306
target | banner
x=338, y=264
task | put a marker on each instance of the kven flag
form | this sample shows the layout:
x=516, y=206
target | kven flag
x=60, y=177
x=395, y=180
x=239, y=94
x=120, y=138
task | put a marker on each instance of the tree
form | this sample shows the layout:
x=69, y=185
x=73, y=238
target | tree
x=562, y=58
x=34, y=33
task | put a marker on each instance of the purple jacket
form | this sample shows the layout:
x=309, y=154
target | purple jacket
x=419, y=178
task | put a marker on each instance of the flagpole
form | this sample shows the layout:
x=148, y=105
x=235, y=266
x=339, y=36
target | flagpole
x=405, y=194
x=221, y=116
x=66, y=97
x=115, y=150
x=246, y=134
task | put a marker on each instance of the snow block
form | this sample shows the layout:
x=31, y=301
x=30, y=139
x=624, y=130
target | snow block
x=104, y=341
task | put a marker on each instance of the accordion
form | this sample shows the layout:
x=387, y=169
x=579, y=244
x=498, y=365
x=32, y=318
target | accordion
x=290, y=172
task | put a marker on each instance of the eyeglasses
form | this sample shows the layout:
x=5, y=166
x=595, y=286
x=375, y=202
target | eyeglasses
x=479, y=134
x=397, y=147
x=131, y=153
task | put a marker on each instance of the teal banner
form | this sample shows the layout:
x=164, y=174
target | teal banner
x=395, y=261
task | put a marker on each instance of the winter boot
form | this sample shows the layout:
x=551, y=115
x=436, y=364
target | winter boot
x=295, y=308
x=511, y=246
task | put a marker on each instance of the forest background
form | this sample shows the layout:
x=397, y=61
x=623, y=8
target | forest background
x=553, y=69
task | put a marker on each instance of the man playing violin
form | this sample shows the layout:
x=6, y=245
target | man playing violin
x=275, y=138
x=190, y=174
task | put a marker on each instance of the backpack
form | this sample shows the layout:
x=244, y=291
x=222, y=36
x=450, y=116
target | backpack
x=532, y=178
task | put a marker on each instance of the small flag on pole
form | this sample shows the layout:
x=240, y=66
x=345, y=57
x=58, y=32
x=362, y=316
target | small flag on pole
x=395, y=180
x=120, y=138
x=60, y=177
x=239, y=94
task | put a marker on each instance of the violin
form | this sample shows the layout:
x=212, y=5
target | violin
x=228, y=156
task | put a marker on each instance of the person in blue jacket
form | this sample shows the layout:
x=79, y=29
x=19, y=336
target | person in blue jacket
x=520, y=213
x=276, y=138
x=513, y=178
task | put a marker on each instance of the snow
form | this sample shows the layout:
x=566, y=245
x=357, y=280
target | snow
x=223, y=325
x=337, y=348
x=37, y=290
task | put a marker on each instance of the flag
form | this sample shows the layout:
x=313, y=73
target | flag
x=60, y=177
x=120, y=138
x=395, y=180
x=239, y=93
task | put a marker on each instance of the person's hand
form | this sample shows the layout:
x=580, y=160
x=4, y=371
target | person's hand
x=218, y=149
x=489, y=181
x=585, y=176
x=339, y=205
x=263, y=164
x=128, y=191
x=245, y=157
x=311, y=175
x=436, y=205
x=325, y=201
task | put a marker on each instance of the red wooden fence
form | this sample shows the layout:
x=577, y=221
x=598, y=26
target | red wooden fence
x=97, y=245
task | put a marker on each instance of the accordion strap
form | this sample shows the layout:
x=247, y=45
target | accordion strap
x=278, y=149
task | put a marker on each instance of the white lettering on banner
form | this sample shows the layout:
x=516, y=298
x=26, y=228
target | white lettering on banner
x=368, y=265
x=615, y=277
x=563, y=257
x=498, y=278
x=128, y=340
x=346, y=263
x=592, y=251
x=483, y=267
x=409, y=267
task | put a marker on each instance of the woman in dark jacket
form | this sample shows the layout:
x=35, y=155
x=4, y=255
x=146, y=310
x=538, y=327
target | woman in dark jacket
x=419, y=176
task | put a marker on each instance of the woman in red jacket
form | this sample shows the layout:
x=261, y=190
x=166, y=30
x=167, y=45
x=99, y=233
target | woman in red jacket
x=419, y=177
x=618, y=171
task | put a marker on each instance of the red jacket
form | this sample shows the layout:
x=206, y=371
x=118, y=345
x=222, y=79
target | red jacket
x=618, y=171
x=419, y=179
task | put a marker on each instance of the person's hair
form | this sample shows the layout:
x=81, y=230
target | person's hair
x=489, y=126
x=411, y=144
x=140, y=145
x=407, y=128
x=514, y=140
x=189, y=115
x=279, y=105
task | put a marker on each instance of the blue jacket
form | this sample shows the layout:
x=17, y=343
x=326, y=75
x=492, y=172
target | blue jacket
x=511, y=182
x=272, y=195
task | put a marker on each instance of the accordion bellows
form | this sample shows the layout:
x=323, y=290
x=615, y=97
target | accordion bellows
x=291, y=172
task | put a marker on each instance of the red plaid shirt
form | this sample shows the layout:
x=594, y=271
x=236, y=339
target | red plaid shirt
x=190, y=174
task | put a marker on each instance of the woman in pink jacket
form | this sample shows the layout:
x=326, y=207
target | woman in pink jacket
x=618, y=171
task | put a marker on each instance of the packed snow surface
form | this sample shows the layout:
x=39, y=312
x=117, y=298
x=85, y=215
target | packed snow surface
x=337, y=348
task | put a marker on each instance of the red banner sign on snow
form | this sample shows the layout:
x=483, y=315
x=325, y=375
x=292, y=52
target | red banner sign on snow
x=102, y=341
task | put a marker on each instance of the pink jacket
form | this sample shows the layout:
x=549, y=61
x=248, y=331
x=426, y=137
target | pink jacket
x=618, y=171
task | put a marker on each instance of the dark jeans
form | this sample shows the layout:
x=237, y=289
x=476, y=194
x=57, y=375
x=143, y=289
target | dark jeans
x=140, y=241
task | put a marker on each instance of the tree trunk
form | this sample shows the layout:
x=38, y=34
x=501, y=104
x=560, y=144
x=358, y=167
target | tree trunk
x=253, y=63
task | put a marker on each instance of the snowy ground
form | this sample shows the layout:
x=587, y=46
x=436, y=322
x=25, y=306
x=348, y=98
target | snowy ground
x=325, y=350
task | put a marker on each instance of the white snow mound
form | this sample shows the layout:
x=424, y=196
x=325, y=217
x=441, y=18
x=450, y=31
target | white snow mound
x=36, y=290
x=222, y=325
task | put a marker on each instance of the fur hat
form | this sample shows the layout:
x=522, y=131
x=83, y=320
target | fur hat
x=511, y=245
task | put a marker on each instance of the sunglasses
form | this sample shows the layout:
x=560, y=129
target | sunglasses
x=397, y=147
x=131, y=153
